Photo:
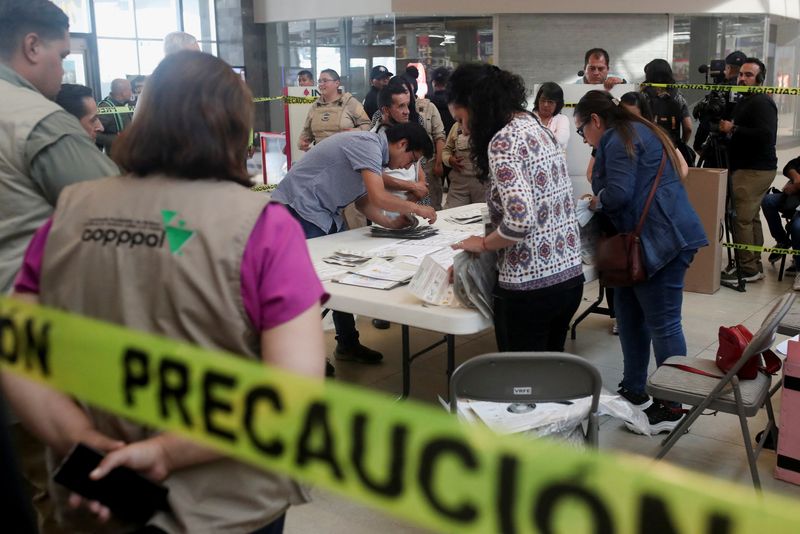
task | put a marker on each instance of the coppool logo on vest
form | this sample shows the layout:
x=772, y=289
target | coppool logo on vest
x=131, y=233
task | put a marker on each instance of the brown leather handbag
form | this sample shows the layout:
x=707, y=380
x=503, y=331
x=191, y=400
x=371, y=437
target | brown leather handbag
x=619, y=258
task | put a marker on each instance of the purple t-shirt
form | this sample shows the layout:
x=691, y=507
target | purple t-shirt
x=278, y=280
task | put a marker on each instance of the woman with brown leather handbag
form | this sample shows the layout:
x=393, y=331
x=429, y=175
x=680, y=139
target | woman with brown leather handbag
x=634, y=174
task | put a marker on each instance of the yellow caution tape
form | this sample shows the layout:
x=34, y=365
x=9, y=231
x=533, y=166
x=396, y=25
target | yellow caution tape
x=108, y=110
x=733, y=88
x=757, y=248
x=285, y=99
x=411, y=460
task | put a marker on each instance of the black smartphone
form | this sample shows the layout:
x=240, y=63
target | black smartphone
x=129, y=495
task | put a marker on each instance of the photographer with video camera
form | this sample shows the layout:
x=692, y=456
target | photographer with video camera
x=714, y=107
x=752, y=136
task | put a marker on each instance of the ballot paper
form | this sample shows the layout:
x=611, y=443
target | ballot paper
x=329, y=272
x=365, y=281
x=430, y=282
x=582, y=211
x=383, y=270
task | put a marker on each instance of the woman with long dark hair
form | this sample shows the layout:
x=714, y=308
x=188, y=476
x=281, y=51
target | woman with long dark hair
x=540, y=279
x=629, y=153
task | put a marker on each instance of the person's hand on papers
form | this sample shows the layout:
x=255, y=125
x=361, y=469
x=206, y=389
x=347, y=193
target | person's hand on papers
x=426, y=212
x=474, y=244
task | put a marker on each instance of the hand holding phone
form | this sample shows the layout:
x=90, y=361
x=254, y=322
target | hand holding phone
x=129, y=495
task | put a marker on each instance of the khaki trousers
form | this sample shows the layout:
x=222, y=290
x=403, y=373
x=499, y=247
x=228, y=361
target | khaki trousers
x=464, y=189
x=749, y=188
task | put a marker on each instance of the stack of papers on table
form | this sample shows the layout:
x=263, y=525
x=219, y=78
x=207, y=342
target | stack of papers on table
x=467, y=218
x=377, y=275
x=420, y=232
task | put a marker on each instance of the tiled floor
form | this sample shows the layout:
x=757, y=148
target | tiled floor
x=713, y=446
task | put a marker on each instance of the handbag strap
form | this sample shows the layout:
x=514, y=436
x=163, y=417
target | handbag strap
x=772, y=364
x=652, y=194
x=691, y=369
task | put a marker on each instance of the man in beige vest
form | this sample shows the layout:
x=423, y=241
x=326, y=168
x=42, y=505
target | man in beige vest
x=42, y=150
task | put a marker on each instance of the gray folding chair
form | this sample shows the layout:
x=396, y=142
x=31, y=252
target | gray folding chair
x=728, y=394
x=529, y=377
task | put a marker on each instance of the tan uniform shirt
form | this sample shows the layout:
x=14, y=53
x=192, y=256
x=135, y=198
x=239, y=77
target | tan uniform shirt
x=327, y=118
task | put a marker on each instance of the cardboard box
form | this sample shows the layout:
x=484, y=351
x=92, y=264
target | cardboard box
x=706, y=190
x=788, y=461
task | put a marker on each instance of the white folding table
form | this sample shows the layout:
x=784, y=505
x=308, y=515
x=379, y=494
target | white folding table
x=399, y=305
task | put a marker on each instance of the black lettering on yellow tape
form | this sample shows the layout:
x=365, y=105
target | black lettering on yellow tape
x=411, y=460
x=794, y=91
x=758, y=248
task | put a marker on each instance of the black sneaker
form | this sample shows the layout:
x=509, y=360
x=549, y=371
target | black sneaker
x=640, y=400
x=330, y=370
x=358, y=353
x=663, y=418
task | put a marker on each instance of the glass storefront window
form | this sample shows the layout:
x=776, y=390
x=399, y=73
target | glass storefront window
x=199, y=19
x=156, y=18
x=78, y=12
x=118, y=58
x=130, y=33
x=115, y=18
x=150, y=55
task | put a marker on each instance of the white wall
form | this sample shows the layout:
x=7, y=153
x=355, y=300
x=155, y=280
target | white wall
x=543, y=48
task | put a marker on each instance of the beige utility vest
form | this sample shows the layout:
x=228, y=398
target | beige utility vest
x=327, y=118
x=163, y=255
x=22, y=205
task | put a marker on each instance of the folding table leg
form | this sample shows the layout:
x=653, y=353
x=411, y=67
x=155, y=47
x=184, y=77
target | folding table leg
x=451, y=359
x=593, y=308
x=406, y=364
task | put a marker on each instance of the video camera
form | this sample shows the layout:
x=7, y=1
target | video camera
x=716, y=105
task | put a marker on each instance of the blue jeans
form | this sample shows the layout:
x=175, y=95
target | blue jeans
x=345, y=323
x=651, y=312
x=770, y=206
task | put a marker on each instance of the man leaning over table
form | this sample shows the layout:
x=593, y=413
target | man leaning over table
x=347, y=168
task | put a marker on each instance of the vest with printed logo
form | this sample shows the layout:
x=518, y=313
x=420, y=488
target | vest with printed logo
x=163, y=255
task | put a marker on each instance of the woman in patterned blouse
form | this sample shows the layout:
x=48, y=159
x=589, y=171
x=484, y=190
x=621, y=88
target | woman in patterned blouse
x=540, y=279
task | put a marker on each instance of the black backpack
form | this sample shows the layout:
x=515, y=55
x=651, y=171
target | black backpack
x=667, y=114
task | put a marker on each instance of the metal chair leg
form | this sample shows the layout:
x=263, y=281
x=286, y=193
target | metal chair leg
x=751, y=457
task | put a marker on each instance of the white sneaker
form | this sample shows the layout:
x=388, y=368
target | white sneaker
x=796, y=285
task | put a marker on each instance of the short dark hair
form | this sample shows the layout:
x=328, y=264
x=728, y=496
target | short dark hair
x=658, y=71
x=21, y=17
x=441, y=75
x=762, y=69
x=412, y=132
x=394, y=87
x=332, y=73
x=635, y=98
x=307, y=73
x=592, y=52
x=412, y=71
x=550, y=91
x=71, y=96
x=196, y=124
